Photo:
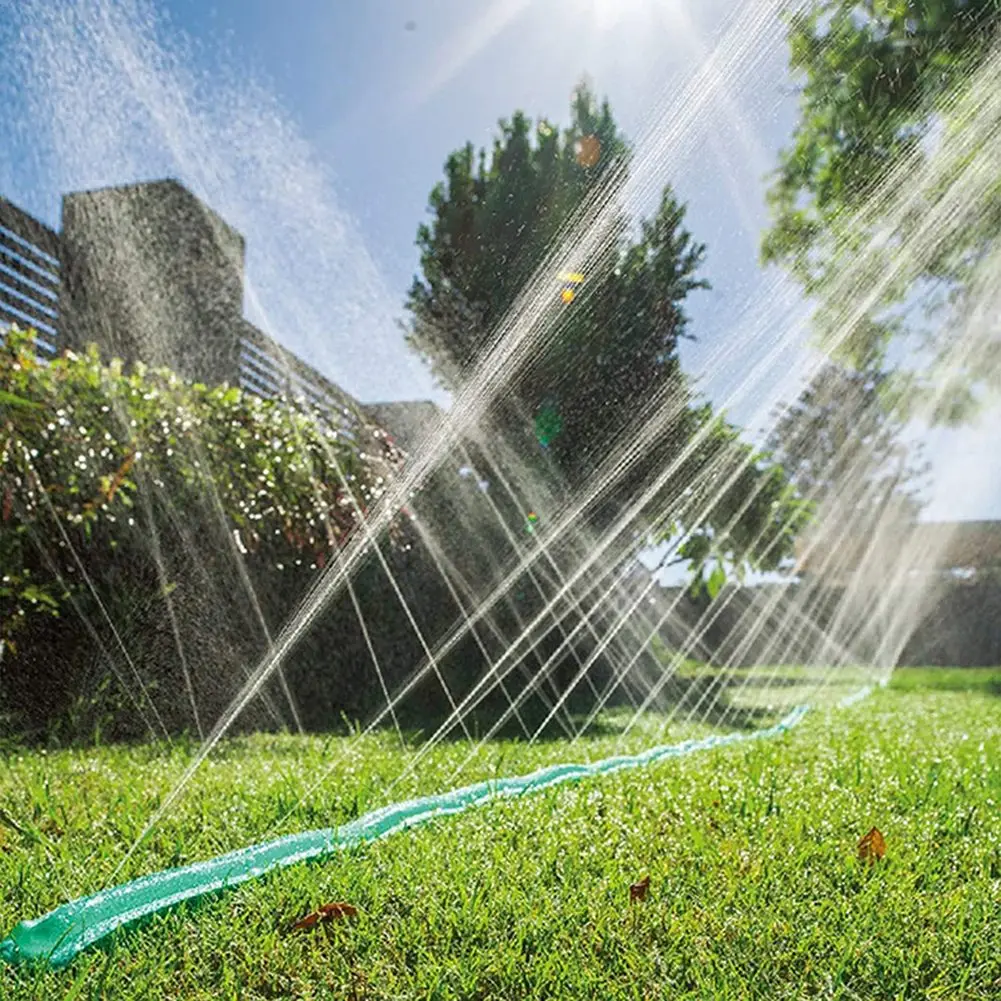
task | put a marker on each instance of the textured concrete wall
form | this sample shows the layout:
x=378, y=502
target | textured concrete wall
x=150, y=273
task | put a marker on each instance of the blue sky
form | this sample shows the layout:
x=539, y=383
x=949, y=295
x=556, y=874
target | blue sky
x=317, y=128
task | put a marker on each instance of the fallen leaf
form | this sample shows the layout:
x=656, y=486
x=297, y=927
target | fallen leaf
x=637, y=891
x=326, y=912
x=872, y=847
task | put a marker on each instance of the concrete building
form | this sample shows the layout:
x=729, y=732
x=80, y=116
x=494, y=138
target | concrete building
x=921, y=548
x=30, y=275
x=408, y=422
x=150, y=273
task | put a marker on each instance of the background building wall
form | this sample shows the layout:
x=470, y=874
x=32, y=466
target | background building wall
x=151, y=274
x=30, y=266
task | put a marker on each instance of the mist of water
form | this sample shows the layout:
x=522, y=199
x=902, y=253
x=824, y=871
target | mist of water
x=116, y=94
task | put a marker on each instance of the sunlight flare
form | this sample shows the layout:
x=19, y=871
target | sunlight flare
x=608, y=14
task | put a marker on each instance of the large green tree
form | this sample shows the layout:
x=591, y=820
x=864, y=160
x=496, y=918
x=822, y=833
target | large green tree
x=887, y=83
x=609, y=363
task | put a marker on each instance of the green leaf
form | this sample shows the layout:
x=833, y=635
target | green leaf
x=696, y=549
x=716, y=581
x=37, y=596
x=11, y=400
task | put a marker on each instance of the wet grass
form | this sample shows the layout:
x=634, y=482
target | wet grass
x=755, y=888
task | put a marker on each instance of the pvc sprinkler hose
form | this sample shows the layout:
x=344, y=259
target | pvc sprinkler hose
x=56, y=938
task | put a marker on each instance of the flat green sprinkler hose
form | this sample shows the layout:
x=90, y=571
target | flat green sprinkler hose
x=56, y=938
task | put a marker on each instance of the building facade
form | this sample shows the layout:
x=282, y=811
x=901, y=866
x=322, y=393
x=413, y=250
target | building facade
x=150, y=273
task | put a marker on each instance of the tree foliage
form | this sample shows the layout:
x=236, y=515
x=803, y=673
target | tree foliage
x=881, y=86
x=609, y=366
x=842, y=447
x=493, y=223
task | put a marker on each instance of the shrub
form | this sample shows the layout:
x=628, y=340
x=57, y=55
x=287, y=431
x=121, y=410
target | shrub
x=125, y=491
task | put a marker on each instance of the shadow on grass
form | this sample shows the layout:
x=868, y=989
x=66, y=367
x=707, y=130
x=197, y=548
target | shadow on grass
x=702, y=699
x=766, y=681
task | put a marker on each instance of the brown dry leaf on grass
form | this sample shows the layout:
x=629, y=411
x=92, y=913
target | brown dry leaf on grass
x=637, y=891
x=324, y=913
x=872, y=847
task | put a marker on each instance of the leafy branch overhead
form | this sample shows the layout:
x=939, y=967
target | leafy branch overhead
x=897, y=117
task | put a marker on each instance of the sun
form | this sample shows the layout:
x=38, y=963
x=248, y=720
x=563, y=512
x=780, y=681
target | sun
x=609, y=14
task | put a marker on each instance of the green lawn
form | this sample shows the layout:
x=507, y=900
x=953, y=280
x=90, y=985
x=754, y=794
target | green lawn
x=755, y=888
